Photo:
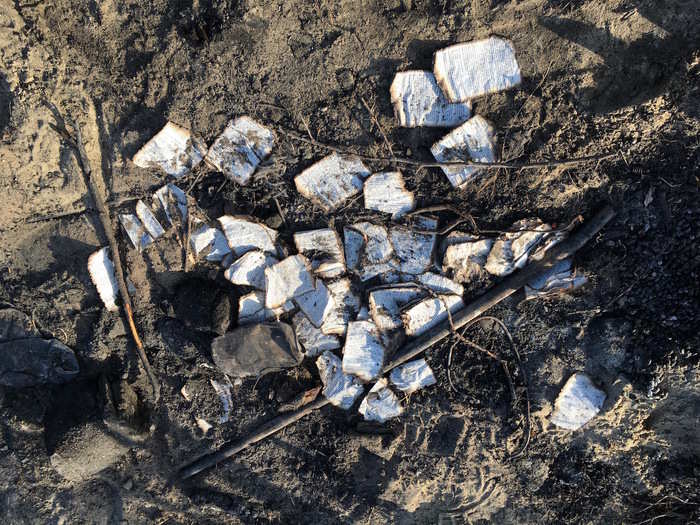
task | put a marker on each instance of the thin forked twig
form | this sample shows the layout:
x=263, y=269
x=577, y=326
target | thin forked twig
x=77, y=146
x=460, y=338
x=373, y=116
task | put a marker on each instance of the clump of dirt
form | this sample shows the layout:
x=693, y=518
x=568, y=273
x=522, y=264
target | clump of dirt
x=604, y=76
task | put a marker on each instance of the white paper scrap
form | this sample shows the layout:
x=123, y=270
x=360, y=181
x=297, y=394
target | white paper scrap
x=385, y=305
x=137, y=234
x=412, y=376
x=363, y=355
x=244, y=235
x=578, y=402
x=172, y=200
x=474, y=140
x=346, y=306
x=210, y=241
x=511, y=250
x=173, y=149
x=288, y=279
x=240, y=148
x=419, y=101
x=472, y=69
x=149, y=220
x=101, y=270
x=380, y=403
x=339, y=388
x=251, y=308
x=428, y=313
x=332, y=180
x=387, y=192
x=249, y=269
x=316, y=304
x=311, y=338
x=324, y=249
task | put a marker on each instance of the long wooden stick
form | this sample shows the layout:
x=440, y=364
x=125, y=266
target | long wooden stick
x=506, y=288
x=76, y=144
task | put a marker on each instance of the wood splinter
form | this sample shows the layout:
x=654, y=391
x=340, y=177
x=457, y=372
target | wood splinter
x=413, y=348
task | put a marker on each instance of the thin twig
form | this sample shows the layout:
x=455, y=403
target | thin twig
x=521, y=367
x=375, y=120
x=279, y=210
x=421, y=164
x=77, y=146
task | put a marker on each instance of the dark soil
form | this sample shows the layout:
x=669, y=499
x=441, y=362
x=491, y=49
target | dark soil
x=603, y=76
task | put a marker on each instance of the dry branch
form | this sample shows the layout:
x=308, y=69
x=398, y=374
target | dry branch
x=77, y=146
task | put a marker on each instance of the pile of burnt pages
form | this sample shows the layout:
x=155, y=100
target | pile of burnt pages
x=352, y=296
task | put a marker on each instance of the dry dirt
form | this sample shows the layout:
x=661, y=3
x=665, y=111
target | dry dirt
x=605, y=76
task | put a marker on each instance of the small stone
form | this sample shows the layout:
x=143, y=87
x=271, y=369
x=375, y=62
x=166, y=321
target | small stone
x=256, y=350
